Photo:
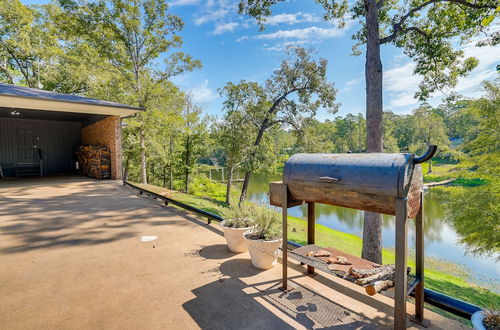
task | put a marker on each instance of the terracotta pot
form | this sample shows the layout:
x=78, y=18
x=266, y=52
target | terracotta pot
x=264, y=254
x=234, y=238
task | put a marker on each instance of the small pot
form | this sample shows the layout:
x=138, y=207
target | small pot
x=234, y=238
x=264, y=254
x=477, y=320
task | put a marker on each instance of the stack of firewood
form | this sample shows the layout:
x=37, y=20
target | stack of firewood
x=94, y=161
x=376, y=279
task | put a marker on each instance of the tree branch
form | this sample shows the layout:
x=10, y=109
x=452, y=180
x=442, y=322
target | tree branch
x=397, y=26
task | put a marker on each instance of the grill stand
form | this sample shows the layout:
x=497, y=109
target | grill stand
x=401, y=286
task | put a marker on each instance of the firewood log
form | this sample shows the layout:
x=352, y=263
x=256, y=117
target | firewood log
x=322, y=253
x=387, y=274
x=378, y=286
x=360, y=273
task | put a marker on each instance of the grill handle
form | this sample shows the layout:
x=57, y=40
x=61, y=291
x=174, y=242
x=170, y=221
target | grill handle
x=428, y=155
x=328, y=179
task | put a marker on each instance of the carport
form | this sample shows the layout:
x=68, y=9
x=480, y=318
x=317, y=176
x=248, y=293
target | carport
x=39, y=130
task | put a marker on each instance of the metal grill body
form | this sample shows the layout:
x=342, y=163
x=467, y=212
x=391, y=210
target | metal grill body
x=369, y=182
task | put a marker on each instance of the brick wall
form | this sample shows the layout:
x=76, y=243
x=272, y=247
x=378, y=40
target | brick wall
x=107, y=132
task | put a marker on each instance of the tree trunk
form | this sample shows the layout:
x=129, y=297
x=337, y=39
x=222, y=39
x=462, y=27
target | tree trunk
x=228, y=187
x=429, y=169
x=260, y=134
x=144, y=179
x=164, y=176
x=187, y=164
x=171, y=154
x=372, y=228
x=125, y=170
x=244, y=188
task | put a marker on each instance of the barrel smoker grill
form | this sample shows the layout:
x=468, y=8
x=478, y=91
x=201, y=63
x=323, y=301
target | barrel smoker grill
x=376, y=182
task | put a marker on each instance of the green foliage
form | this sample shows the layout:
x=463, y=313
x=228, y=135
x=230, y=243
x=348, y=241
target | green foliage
x=242, y=216
x=204, y=187
x=266, y=224
x=475, y=212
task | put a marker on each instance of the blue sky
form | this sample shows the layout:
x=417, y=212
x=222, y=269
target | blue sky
x=231, y=48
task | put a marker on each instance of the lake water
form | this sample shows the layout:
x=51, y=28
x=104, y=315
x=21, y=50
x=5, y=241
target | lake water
x=441, y=240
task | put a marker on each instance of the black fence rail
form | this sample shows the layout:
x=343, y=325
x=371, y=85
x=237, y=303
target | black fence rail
x=442, y=301
x=203, y=213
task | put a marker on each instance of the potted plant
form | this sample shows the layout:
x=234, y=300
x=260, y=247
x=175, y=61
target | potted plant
x=264, y=239
x=234, y=227
x=486, y=319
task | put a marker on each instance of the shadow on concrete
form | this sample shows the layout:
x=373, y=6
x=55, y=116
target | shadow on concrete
x=239, y=268
x=42, y=213
x=224, y=305
x=231, y=303
x=217, y=251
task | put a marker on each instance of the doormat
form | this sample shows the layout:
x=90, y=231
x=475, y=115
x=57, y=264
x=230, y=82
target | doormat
x=306, y=306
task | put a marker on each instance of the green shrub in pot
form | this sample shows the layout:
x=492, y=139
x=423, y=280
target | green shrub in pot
x=264, y=239
x=239, y=221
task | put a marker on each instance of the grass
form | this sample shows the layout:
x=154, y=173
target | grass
x=444, y=171
x=440, y=275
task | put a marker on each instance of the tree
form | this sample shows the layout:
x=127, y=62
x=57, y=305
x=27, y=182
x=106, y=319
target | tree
x=425, y=30
x=475, y=211
x=132, y=36
x=298, y=88
x=193, y=135
x=429, y=128
x=234, y=137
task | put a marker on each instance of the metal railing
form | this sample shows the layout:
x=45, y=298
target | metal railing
x=167, y=200
x=442, y=301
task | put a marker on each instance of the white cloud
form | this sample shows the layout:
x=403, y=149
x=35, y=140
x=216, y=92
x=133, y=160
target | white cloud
x=312, y=32
x=350, y=84
x=202, y=93
x=291, y=19
x=401, y=84
x=280, y=46
x=240, y=39
x=225, y=27
x=184, y=2
x=212, y=15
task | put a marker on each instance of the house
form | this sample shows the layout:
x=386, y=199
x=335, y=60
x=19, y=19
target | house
x=39, y=130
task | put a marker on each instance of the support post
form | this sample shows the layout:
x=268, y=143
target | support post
x=284, y=248
x=419, y=265
x=400, y=276
x=311, y=229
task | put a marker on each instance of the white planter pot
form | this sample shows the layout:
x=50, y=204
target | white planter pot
x=477, y=320
x=264, y=254
x=234, y=238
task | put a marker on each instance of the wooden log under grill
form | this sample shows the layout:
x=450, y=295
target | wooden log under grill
x=376, y=287
x=361, y=273
x=387, y=274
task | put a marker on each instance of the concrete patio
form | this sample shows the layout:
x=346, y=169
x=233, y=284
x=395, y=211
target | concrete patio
x=71, y=257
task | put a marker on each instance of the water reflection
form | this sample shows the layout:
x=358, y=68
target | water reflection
x=440, y=237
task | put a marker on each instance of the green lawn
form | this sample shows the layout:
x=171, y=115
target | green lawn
x=441, y=280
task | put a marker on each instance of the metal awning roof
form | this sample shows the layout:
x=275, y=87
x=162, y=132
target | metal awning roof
x=36, y=99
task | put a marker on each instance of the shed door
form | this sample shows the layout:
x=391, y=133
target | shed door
x=27, y=140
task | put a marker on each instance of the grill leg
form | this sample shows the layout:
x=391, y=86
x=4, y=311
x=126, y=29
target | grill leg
x=284, y=248
x=311, y=221
x=419, y=263
x=400, y=278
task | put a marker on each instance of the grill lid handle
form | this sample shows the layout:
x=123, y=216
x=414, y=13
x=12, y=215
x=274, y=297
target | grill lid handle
x=329, y=179
x=428, y=155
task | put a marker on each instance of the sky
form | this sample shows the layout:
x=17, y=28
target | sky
x=231, y=48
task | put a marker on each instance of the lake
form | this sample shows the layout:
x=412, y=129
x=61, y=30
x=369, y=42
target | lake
x=441, y=240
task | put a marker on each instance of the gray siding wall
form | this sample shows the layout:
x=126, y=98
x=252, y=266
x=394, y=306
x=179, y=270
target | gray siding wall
x=58, y=140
